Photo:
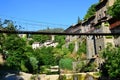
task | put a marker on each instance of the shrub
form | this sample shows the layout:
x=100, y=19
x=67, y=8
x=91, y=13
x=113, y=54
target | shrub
x=66, y=63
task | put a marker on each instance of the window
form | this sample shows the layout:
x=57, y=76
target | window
x=99, y=16
x=100, y=48
x=105, y=13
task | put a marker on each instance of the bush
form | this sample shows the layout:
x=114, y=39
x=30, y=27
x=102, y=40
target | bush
x=66, y=63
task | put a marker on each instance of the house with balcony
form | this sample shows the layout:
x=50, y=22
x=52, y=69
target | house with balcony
x=115, y=28
x=102, y=25
x=36, y=45
x=101, y=10
x=100, y=22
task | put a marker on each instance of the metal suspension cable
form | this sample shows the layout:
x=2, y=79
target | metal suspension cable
x=34, y=22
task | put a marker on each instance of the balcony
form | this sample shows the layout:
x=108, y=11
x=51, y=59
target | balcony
x=115, y=24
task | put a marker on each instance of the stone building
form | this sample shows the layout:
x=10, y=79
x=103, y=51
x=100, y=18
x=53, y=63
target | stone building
x=102, y=25
x=36, y=45
x=48, y=43
x=98, y=23
x=22, y=35
x=102, y=41
x=115, y=28
x=73, y=38
x=73, y=29
x=89, y=28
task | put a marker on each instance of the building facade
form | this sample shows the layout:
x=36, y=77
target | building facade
x=102, y=25
x=115, y=28
x=73, y=39
x=100, y=22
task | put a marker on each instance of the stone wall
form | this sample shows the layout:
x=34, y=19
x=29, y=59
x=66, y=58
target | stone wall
x=117, y=41
x=100, y=44
x=27, y=76
x=90, y=47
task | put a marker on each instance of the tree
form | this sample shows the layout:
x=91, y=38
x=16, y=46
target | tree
x=91, y=11
x=17, y=53
x=15, y=48
x=58, y=54
x=60, y=40
x=115, y=9
x=2, y=39
x=40, y=38
x=79, y=20
x=44, y=56
x=34, y=63
x=110, y=68
x=52, y=30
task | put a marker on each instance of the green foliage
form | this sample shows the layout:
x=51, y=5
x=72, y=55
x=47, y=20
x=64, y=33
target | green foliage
x=115, y=9
x=110, y=68
x=66, y=63
x=60, y=40
x=15, y=50
x=2, y=39
x=63, y=77
x=19, y=54
x=65, y=50
x=97, y=74
x=44, y=56
x=71, y=47
x=23, y=67
x=34, y=63
x=48, y=58
x=45, y=69
x=31, y=42
x=91, y=11
x=90, y=68
x=58, y=54
x=43, y=38
x=52, y=30
x=9, y=25
x=106, y=24
x=109, y=37
x=79, y=66
x=82, y=48
x=40, y=38
x=15, y=47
